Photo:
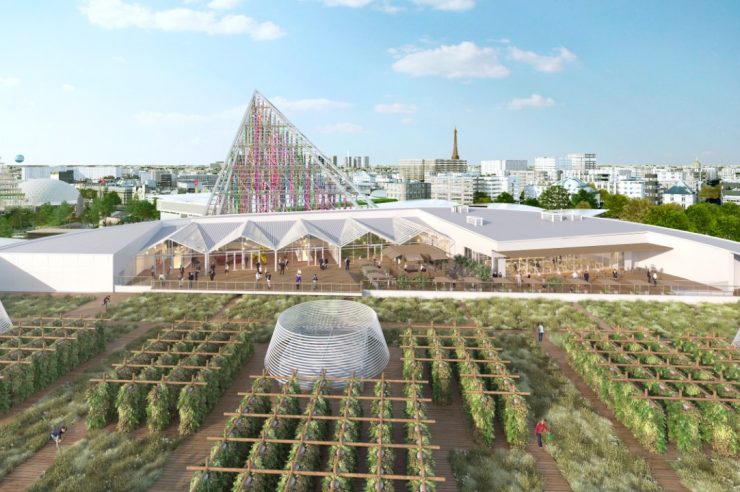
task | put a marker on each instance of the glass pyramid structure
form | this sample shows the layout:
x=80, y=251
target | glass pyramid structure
x=273, y=167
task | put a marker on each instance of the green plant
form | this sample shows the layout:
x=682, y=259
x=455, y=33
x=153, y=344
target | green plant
x=483, y=469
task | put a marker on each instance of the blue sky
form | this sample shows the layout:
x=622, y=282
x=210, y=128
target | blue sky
x=166, y=81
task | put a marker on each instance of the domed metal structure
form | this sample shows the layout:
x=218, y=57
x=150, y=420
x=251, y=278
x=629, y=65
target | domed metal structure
x=40, y=191
x=19, y=158
x=5, y=323
x=343, y=338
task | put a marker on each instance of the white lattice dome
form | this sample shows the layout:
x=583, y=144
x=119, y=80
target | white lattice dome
x=5, y=323
x=340, y=337
x=40, y=191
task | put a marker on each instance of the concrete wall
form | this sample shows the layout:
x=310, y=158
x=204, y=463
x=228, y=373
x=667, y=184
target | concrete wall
x=29, y=272
x=691, y=260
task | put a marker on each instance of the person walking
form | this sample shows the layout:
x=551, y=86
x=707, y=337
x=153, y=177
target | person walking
x=298, y=280
x=212, y=273
x=268, y=278
x=257, y=277
x=655, y=278
x=153, y=272
x=259, y=266
x=586, y=276
x=57, y=433
x=282, y=267
x=191, y=277
x=649, y=277
x=314, y=281
x=226, y=268
x=106, y=302
x=346, y=264
x=539, y=429
x=540, y=332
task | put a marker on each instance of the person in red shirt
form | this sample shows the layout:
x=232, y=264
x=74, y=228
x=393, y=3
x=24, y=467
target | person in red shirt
x=540, y=429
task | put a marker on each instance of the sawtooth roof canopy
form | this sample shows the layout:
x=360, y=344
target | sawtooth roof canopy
x=206, y=237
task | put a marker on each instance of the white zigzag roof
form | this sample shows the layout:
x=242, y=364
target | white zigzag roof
x=206, y=237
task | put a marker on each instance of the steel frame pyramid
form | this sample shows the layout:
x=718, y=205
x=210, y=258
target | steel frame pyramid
x=273, y=167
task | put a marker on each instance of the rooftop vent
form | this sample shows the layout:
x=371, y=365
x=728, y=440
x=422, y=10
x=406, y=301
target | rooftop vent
x=474, y=220
x=560, y=215
x=460, y=209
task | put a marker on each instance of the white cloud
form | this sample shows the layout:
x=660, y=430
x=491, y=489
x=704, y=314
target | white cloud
x=318, y=104
x=347, y=3
x=223, y=4
x=10, y=81
x=454, y=5
x=117, y=14
x=464, y=60
x=175, y=118
x=543, y=63
x=395, y=108
x=343, y=127
x=68, y=88
x=533, y=101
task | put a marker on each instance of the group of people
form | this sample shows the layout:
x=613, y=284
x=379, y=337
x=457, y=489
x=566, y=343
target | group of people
x=652, y=277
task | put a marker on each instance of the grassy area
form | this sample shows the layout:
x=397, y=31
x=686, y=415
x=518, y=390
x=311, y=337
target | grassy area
x=167, y=307
x=670, y=318
x=415, y=310
x=701, y=473
x=27, y=305
x=587, y=451
x=527, y=314
x=263, y=307
x=109, y=461
x=478, y=470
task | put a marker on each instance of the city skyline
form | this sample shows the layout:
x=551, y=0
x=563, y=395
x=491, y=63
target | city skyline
x=118, y=81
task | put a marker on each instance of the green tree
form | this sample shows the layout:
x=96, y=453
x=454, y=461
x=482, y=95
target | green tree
x=63, y=214
x=583, y=204
x=554, y=198
x=140, y=210
x=636, y=210
x=710, y=193
x=703, y=216
x=44, y=215
x=6, y=230
x=504, y=197
x=671, y=215
x=480, y=197
x=614, y=203
x=88, y=194
x=584, y=196
x=532, y=202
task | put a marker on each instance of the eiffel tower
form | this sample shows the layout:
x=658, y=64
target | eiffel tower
x=273, y=167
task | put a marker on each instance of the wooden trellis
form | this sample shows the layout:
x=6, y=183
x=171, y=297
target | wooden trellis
x=290, y=467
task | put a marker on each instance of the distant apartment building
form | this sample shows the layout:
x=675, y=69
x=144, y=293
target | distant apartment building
x=631, y=188
x=681, y=194
x=201, y=180
x=502, y=166
x=652, y=188
x=35, y=172
x=455, y=187
x=582, y=162
x=420, y=169
x=493, y=185
x=408, y=190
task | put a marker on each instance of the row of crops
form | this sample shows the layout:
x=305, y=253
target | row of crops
x=272, y=445
x=180, y=375
x=684, y=391
x=488, y=388
x=33, y=356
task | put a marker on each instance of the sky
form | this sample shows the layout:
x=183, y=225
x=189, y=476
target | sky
x=167, y=81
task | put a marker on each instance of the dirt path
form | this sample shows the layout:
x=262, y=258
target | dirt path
x=661, y=470
x=29, y=471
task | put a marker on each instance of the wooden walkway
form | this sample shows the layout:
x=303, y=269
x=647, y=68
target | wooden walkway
x=663, y=474
x=192, y=450
x=35, y=466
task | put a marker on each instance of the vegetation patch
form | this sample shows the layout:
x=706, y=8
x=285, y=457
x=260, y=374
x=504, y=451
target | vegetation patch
x=109, y=461
x=587, y=451
x=669, y=318
x=167, y=307
x=506, y=471
x=26, y=305
x=701, y=473
x=526, y=314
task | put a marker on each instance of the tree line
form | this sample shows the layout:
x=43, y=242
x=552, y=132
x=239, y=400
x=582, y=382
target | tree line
x=19, y=219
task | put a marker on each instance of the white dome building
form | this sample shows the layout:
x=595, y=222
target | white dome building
x=40, y=191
